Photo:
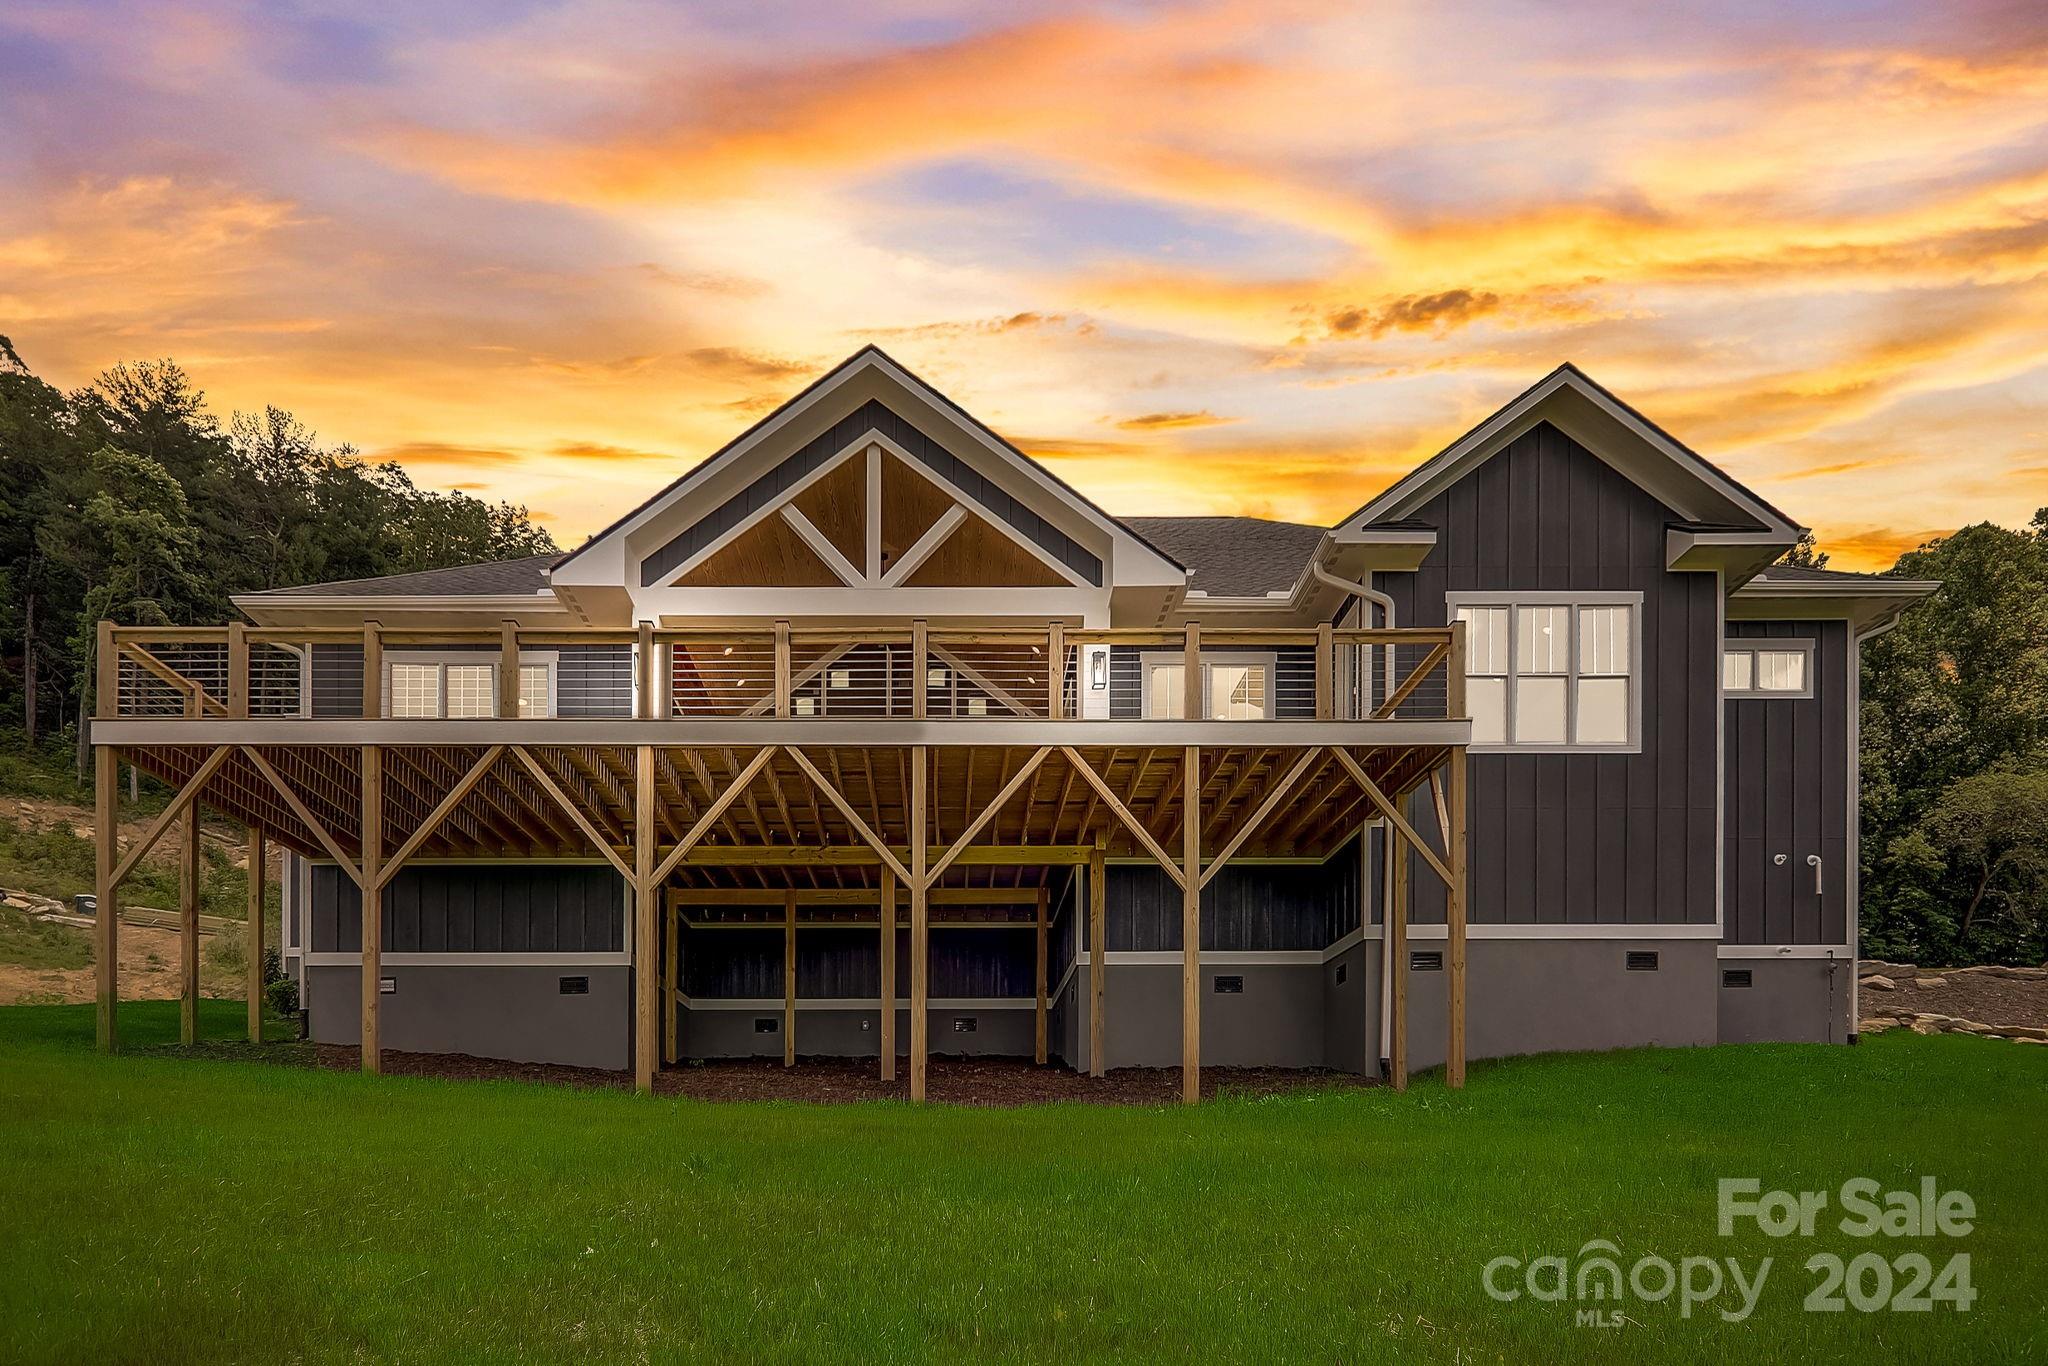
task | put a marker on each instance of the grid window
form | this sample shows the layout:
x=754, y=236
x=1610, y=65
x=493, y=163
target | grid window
x=533, y=690
x=1551, y=674
x=1775, y=668
x=415, y=690
x=472, y=690
x=1233, y=689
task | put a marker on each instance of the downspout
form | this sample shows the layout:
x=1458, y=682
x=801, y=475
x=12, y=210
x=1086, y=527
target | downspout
x=1386, y=606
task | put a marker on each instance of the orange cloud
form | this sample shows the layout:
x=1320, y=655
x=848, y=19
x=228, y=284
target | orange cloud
x=1159, y=422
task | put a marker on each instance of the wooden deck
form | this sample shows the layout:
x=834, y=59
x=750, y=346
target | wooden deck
x=793, y=765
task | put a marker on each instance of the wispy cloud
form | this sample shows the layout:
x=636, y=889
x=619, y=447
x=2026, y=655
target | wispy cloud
x=1217, y=254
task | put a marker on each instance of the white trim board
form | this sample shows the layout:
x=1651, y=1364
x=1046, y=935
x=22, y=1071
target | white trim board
x=1789, y=952
x=474, y=960
x=774, y=1004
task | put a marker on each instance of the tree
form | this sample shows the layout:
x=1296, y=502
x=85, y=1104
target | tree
x=1958, y=688
x=1991, y=831
x=1805, y=553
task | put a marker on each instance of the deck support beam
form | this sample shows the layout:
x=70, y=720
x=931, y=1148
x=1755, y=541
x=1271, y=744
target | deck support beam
x=887, y=1024
x=106, y=787
x=1098, y=902
x=1191, y=924
x=259, y=863
x=188, y=928
x=1397, y=935
x=645, y=900
x=373, y=906
x=920, y=913
x=670, y=1007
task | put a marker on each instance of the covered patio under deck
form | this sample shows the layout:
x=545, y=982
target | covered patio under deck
x=791, y=817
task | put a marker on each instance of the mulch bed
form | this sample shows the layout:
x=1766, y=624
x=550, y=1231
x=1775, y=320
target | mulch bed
x=994, y=1082
x=1966, y=995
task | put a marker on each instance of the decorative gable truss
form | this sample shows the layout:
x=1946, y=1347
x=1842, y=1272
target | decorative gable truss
x=870, y=515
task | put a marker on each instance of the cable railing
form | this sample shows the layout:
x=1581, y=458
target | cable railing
x=780, y=672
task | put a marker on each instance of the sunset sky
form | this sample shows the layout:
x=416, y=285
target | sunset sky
x=1244, y=256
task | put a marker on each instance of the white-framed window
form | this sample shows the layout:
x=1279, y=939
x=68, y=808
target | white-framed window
x=1767, y=668
x=1235, y=687
x=1552, y=671
x=419, y=684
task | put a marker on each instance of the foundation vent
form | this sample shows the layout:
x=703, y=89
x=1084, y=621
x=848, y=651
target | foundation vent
x=575, y=986
x=767, y=1024
x=1642, y=960
x=1230, y=986
x=1426, y=960
x=1735, y=977
x=963, y=1024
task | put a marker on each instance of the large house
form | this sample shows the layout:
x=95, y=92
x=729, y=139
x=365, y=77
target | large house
x=869, y=735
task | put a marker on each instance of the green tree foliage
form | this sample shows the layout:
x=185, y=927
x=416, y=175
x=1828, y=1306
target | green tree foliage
x=1955, y=755
x=129, y=500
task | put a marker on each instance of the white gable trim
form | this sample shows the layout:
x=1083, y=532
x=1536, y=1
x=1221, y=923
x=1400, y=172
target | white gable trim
x=603, y=561
x=1657, y=464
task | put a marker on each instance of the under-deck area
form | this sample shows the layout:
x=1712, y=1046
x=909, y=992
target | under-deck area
x=755, y=854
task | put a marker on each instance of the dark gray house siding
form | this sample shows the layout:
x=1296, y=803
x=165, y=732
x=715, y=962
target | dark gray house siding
x=337, y=680
x=1249, y=906
x=1582, y=838
x=1789, y=793
x=836, y=963
x=476, y=908
x=594, y=681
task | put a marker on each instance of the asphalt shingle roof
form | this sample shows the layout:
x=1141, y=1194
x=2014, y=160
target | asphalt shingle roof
x=1233, y=557
x=493, y=578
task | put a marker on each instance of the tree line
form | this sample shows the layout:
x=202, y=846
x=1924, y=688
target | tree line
x=127, y=499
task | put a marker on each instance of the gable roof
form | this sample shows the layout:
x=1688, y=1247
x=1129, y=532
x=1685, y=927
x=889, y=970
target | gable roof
x=1234, y=557
x=867, y=355
x=1645, y=453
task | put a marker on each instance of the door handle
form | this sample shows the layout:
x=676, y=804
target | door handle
x=1813, y=862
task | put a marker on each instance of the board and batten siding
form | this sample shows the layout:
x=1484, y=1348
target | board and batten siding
x=476, y=908
x=1789, y=793
x=845, y=962
x=1248, y=907
x=1581, y=837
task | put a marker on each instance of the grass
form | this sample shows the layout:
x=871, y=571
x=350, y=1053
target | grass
x=183, y=1208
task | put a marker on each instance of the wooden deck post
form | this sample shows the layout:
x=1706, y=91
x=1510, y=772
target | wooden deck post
x=1098, y=902
x=1038, y=1017
x=670, y=1009
x=1326, y=665
x=783, y=669
x=1455, y=908
x=188, y=928
x=372, y=900
x=508, y=669
x=106, y=789
x=1055, y=669
x=789, y=979
x=644, y=897
x=920, y=651
x=259, y=858
x=920, y=907
x=1191, y=920
x=1397, y=930
x=645, y=672
x=1191, y=674
x=373, y=670
x=888, y=1021
x=238, y=671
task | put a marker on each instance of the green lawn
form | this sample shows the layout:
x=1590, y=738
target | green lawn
x=169, y=1208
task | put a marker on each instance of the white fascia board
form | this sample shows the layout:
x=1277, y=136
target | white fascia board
x=283, y=610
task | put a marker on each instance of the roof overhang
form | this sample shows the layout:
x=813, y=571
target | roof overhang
x=451, y=609
x=1750, y=529
x=1866, y=604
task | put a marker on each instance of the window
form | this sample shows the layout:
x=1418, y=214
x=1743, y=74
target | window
x=461, y=687
x=1767, y=668
x=1235, y=688
x=1551, y=671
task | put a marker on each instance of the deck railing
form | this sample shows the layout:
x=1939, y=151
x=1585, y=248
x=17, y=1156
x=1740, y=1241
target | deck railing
x=913, y=672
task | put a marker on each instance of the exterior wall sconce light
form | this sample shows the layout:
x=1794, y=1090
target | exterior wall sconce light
x=1098, y=669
